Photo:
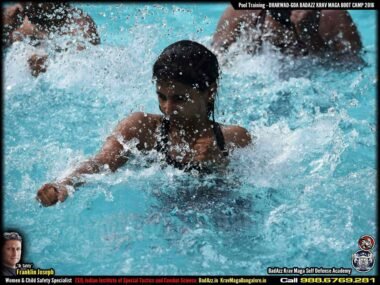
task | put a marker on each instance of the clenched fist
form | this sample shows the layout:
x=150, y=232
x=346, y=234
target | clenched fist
x=37, y=64
x=50, y=193
x=13, y=16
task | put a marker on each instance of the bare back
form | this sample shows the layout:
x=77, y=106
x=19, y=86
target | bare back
x=336, y=32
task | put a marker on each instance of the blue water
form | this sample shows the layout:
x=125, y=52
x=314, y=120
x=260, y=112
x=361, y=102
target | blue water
x=301, y=196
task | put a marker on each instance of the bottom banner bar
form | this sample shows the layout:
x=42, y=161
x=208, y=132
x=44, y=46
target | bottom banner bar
x=191, y=280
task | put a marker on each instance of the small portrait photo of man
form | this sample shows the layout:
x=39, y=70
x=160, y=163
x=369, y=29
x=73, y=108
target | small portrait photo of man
x=11, y=245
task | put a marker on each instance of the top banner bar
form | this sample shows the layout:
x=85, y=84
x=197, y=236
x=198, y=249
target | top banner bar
x=307, y=4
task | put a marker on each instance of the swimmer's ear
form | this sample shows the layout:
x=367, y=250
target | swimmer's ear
x=212, y=89
x=212, y=92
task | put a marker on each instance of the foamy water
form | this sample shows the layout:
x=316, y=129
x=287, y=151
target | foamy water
x=301, y=195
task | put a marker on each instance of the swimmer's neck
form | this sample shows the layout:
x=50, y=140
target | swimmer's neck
x=190, y=129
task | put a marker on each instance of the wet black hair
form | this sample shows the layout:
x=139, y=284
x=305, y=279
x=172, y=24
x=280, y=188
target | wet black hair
x=36, y=13
x=282, y=16
x=190, y=63
x=52, y=5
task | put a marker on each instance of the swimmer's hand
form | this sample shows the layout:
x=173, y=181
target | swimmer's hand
x=37, y=64
x=13, y=16
x=50, y=193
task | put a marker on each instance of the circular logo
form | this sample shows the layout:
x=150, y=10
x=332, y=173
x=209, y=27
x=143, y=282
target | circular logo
x=363, y=260
x=366, y=242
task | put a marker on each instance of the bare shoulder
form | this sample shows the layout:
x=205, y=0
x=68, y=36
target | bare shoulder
x=229, y=13
x=338, y=26
x=335, y=18
x=86, y=24
x=82, y=17
x=236, y=136
x=138, y=120
x=139, y=125
x=231, y=18
x=334, y=13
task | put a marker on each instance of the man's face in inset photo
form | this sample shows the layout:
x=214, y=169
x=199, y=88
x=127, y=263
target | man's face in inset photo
x=11, y=253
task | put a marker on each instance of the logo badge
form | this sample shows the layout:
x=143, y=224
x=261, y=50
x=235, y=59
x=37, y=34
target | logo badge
x=363, y=260
x=366, y=242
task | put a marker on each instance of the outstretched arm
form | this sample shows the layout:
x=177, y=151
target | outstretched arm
x=85, y=27
x=88, y=26
x=111, y=156
x=236, y=137
x=340, y=32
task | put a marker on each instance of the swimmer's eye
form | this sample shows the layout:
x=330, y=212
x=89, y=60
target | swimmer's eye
x=175, y=98
x=179, y=98
x=161, y=96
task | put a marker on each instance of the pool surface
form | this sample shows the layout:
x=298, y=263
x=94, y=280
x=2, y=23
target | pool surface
x=301, y=196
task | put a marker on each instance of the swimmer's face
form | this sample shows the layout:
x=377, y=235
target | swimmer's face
x=181, y=102
x=11, y=253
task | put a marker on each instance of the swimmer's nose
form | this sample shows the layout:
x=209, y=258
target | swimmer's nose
x=170, y=107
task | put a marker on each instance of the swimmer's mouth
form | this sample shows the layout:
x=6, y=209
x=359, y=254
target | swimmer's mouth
x=171, y=117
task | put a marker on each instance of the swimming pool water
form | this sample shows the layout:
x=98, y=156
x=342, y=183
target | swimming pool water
x=301, y=196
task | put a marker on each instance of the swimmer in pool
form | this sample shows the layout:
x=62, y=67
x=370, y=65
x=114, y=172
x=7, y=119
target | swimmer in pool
x=325, y=33
x=35, y=21
x=186, y=134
